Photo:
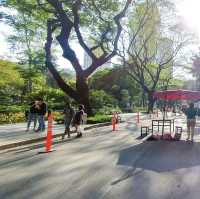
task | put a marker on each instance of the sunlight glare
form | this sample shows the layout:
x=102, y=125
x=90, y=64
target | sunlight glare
x=190, y=11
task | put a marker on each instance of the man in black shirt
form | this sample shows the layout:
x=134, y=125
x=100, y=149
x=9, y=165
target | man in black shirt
x=41, y=114
x=32, y=115
x=78, y=120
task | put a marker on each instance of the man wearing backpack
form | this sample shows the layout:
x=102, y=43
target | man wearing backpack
x=78, y=120
x=68, y=116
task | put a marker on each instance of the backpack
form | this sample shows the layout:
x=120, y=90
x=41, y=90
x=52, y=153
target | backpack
x=77, y=117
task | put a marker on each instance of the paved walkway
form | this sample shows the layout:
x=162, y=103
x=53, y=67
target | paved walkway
x=103, y=165
x=13, y=133
x=17, y=132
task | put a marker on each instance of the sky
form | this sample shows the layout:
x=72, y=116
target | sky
x=189, y=11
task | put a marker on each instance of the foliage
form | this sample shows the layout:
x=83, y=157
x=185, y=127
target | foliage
x=11, y=82
x=120, y=80
x=12, y=108
x=10, y=117
x=99, y=119
x=125, y=98
x=96, y=26
x=150, y=54
x=195, y=70
x=100, y=99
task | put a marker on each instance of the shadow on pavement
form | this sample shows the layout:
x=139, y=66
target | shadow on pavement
x=37, y=146
x=161, y=156
x=141, y=137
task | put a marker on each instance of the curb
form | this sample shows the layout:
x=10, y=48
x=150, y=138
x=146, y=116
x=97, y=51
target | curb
x=97, y=125
x=35, y=140
x=146, y=137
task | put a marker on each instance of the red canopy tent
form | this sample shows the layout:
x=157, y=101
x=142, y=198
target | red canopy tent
x=177, y=95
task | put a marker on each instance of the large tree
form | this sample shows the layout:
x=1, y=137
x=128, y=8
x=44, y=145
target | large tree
x=25, y=46
x=104, y=32
x=152, y=48
x=95, y=25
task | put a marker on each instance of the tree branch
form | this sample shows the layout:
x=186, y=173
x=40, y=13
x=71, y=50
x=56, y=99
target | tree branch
x=103, y=59
x=63, y=37
x=75, y=9
x=61, y=83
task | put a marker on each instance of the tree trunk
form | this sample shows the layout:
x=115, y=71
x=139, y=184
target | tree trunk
x=151, y=101
x=83, y=93
x=143, y=99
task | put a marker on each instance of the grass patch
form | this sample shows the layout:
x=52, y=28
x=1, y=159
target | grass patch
x=99, y=119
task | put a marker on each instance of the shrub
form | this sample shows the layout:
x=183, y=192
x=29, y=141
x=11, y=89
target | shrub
x=8, y=109
x=17, y=117
x=8, y=118
x=99, y=119
x=100, y=99
x=140, y=109
x=58, y=117
x=107, y=110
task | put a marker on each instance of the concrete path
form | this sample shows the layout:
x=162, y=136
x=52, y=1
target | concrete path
x=16, y=133
x=103, y=165
x=12, y=134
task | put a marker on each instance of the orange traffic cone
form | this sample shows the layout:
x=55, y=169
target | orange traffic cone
x=49, y=134
x=114, y=120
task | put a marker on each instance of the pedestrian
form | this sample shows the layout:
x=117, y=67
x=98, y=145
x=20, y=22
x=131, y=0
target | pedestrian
x=32, y=115
x=191, y=114
x=68, y=116
x=78, y=120
x=41, y=114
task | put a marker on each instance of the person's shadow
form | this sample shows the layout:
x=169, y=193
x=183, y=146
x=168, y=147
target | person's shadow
x=158, y=156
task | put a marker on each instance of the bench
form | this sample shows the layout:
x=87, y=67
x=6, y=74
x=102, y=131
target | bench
x=146, y=128
x=161, y=124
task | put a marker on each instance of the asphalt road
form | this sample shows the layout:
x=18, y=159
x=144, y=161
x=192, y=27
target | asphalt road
x=103, y=165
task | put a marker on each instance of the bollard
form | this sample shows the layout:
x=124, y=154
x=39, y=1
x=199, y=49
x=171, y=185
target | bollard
x=114, y=122
x=138, y=117
x=49, y=134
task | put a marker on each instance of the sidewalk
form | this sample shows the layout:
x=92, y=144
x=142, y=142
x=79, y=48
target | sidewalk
x=12, y=135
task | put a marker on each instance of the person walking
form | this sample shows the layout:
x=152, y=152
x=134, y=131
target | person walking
x=191, y=114
x=41, y=114
x=68, y=116
x=78, y=120
x=32, y=115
